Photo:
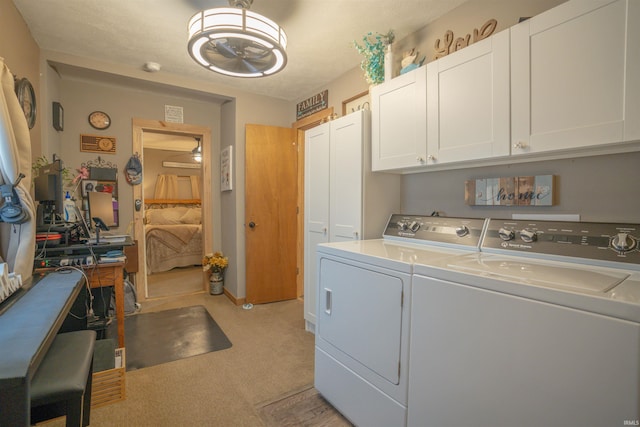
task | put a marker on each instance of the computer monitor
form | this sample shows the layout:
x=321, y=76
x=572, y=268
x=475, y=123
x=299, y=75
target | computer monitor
x=48, y=191
x=101, y=206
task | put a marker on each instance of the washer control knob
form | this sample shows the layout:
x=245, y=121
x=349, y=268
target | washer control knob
x=622, y=242
x=506, y=234
x=414, y=226
x=462, y=231
x=402, y=226
x=528, y=236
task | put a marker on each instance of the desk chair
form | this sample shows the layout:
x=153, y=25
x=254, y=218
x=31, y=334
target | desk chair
x=62, y=383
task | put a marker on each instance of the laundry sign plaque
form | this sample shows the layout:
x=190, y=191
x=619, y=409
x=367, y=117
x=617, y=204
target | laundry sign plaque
x=317, y=102
x=511, y=191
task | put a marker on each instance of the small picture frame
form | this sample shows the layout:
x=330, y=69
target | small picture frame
x=58, y=116
x=88, y=185
x=226, y=169
x=361, y=101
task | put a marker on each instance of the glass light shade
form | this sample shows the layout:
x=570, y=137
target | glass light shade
x=237, y=42
x=196, y=153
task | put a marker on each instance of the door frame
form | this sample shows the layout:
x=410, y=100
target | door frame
x=300, y=127
x=139, y=126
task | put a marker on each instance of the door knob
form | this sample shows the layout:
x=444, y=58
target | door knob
x=252, y=224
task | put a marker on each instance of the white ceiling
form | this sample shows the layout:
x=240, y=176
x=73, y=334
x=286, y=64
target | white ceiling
x=132, y=32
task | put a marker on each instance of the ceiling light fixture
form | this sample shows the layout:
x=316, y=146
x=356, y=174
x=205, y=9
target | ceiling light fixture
x=236, y=42
x=196, y=153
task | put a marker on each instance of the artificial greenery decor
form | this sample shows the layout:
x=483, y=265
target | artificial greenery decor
x=41, y=161
x=373, y=48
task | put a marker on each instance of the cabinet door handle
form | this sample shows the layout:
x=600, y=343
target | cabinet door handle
x=431, y=157
x=327, y=301
x=520, y=145
x=420, y=159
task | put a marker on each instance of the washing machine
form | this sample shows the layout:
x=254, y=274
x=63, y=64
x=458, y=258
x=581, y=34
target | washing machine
x=540, y=328
x=363, y=313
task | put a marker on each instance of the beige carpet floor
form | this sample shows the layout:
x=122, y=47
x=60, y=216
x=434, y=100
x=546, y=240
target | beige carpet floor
x=175, y=282
x=272, y=355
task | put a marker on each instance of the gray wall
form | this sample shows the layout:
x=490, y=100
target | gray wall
x=123, y=103
x=599, y=188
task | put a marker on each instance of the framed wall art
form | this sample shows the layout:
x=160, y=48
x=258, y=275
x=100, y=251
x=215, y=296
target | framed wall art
x=226, y=169
x=361, y=101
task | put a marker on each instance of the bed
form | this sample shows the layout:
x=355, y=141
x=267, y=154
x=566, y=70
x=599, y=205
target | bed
x=173, y=237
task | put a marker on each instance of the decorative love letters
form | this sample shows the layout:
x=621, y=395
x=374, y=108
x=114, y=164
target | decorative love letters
x=448, y=45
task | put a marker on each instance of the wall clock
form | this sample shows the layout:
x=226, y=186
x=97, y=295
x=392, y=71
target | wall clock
x=99, y=120
x=27, y=100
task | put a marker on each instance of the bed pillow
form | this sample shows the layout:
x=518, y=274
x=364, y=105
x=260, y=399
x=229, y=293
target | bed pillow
x=192, y=216
x=165, y=216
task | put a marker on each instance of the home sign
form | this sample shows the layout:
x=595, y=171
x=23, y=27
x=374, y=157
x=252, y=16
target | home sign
x=511, y=191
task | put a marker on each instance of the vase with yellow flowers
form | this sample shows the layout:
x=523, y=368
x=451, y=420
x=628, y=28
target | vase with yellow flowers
x=215, y=263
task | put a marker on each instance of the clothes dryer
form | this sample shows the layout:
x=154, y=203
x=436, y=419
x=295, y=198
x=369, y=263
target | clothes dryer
x=363, y=313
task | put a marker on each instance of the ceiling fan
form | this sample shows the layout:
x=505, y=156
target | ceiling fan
x=239, y=55
x=236, y=42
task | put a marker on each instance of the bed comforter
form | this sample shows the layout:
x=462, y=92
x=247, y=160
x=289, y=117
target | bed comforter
x=171, y=246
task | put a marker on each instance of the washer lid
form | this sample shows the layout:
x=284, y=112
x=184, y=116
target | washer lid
x=546, y=274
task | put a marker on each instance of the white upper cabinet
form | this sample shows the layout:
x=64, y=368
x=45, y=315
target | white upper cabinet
x=399, y=125
x=575, y=79
x=468, y=105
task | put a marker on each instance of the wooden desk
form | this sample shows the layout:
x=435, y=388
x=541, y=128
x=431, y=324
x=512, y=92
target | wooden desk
x=28, y=325
x=101, y=275
x=110, y=274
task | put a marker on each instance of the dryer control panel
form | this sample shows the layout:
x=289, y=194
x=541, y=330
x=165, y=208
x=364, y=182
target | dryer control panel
x=435, y=230
x=588, y=240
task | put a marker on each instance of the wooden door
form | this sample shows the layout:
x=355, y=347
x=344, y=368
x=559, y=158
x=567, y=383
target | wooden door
x=270, y=213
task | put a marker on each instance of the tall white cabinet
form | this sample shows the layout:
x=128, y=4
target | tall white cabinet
x=344, y=199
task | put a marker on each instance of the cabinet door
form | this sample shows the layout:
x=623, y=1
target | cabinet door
x=399, y=122
x=468, y=103
x=575, y=76
x=316, y=209
x=345, y=207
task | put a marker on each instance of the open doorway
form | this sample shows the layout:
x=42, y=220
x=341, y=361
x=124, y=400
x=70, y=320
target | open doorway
x=172, y=191
x=188, y=207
